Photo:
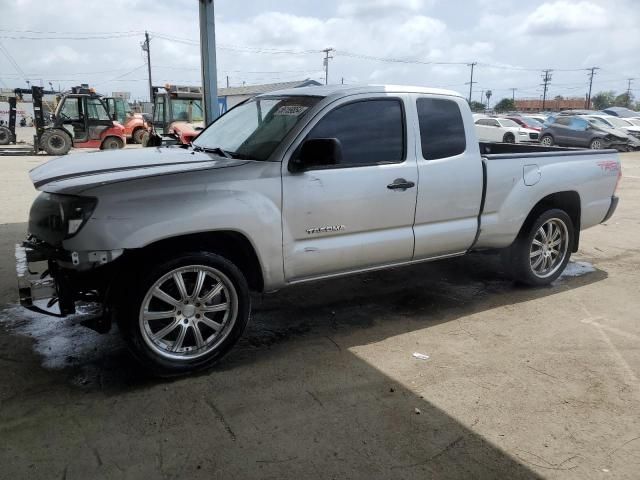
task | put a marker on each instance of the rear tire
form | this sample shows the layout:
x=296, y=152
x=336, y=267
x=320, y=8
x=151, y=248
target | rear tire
x=5, y=136
x=197, y=331
x=547, y=141
x=542, y=250
x=509, y=138
x=138, y=135
x=112, y=143
x=56, y=142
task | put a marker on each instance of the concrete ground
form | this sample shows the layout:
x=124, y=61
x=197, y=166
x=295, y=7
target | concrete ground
x=519, y=383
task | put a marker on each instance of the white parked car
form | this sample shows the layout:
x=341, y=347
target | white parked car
x=503, y=130
x=619, y=123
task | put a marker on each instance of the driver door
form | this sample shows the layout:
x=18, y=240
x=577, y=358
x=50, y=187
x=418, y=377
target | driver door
x=353, y=215
x=71, y=117
x=159, y=114
x=98, y=119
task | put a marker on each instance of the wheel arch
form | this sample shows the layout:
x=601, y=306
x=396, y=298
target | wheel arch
x=230, y=244
x=568, y=201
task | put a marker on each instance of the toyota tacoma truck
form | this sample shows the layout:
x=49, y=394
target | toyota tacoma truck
x=290, y=187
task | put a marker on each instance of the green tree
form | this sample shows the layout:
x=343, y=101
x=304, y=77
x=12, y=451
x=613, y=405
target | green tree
x=624, y=100
x=476, y=106
x=505, y=105
x=603, y=100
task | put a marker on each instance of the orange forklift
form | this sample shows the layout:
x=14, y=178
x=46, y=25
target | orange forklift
x=134, y=124
x=81, y=120
x=178, y=115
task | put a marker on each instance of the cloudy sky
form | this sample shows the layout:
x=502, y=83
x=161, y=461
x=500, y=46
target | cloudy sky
x=420, y=42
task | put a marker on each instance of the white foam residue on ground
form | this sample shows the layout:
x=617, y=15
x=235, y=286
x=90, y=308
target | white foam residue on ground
x=61, y=342
x=576, y=269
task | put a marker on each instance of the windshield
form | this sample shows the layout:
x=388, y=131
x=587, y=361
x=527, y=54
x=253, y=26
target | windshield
x=255, y=128
x=187, y=110
x=598, y=122
x=505, y=122
x=618, y=122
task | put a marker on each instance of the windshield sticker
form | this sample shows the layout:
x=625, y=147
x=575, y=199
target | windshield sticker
x=294, y=110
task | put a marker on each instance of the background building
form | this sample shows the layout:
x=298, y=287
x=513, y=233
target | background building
x=236, y=95
x=551, y=104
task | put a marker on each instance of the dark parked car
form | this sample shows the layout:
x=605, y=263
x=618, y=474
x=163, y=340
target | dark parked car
x=621, y=112
x=575, y=131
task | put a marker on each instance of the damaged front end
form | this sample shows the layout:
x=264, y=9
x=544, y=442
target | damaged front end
x=51, y=281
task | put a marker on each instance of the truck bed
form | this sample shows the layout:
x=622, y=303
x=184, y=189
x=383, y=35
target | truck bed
x=517, y=177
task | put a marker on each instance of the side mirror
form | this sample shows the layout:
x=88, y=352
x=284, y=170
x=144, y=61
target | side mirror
x=316, y=152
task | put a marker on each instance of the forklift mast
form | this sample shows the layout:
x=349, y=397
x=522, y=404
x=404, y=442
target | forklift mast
x=12, y=118
x=38, y=114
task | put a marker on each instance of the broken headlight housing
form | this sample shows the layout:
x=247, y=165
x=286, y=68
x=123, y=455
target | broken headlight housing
x=56, y=217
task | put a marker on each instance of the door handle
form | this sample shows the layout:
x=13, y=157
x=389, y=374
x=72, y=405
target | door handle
x=400, y=184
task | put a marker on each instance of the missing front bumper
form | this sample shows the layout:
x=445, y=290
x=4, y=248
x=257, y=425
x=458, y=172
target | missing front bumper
x=37, y=284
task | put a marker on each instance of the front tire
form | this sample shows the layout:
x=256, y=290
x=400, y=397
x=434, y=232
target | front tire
x=542, y=250
x=509, y=138
x=5, y=136
x=56, y=142
x=186, y=313
x=138, y=135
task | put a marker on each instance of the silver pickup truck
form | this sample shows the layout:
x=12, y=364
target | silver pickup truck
x=289, y=187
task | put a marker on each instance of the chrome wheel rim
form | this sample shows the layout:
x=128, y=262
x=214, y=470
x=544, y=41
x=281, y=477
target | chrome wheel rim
x=595, y=145
x=546, y=141
x=549, y=248
x=188, y=312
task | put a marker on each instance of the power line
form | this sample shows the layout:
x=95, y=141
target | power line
x=88, y=37
x=12, y=61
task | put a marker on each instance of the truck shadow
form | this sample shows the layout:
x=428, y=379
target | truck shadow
x=296, y=400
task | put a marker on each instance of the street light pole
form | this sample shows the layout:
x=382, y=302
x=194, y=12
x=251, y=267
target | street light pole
x=208, y=55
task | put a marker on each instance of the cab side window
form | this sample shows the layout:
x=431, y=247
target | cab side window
x=96, y=110
x=370, y=131
x=70, y=111
x=442, y=131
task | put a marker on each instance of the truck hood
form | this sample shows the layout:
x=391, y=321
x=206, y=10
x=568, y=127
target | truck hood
x=84, y=170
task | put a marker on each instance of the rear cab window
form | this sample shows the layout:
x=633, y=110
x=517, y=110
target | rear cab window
x=442, y=132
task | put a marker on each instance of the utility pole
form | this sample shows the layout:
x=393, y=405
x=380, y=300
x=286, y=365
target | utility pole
x=326, y=64
x=471, y=82
x=629, y=80
x=482, y=97
x=227, y=81
x=513, y=94
x=146, y=48
x=208, y=56
x=592, y=72
x=546, y=79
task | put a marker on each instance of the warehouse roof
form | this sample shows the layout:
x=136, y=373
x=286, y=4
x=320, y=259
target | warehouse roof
x=265, y=88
